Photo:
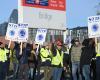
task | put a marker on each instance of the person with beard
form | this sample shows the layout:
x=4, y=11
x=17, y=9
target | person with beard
x=75, y=53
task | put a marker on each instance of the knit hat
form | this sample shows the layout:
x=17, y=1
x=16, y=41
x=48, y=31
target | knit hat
x=59, y=43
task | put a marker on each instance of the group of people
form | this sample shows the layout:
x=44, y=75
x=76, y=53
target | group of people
x=56, y=59
x=81, y=56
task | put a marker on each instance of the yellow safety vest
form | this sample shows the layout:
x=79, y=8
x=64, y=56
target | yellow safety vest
x=98, y=55
x=98, y=50
x=2, y=55
x=58, y=59
x=6, y=52
x=44, y=53
x=13, y=56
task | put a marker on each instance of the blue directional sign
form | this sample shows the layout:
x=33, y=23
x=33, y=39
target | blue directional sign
x=22, y=33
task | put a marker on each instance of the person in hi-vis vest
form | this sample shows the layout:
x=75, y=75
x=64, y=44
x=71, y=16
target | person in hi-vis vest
x=57, y=61
x=3, y=59
x=46, y=54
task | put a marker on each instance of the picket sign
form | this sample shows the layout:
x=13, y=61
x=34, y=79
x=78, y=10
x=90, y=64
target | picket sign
x=17, y=32
x=40, y=36
x=93, y=26
x=22, y=32
x=94, y=29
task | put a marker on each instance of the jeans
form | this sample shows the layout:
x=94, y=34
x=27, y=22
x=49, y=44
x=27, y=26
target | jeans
x=31, y=70
x=57, y=73
x=86, y=72
x=75, y=67
x=2, y=70
x=23, y=72
x=7, y=66
x=98, y=68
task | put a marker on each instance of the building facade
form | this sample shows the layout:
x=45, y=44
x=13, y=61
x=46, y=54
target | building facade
x=13, y=17
x=3, y=28
x=42, y=17
x=79, y=32
x=52, y=34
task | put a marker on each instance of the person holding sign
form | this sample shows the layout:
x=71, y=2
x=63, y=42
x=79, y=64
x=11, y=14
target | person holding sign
x=98, y=62
x=2, y=61
x=23, y=62
x=88, y=52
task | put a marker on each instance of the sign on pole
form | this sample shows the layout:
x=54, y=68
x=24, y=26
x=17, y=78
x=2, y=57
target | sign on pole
x=94, y=26
x=22, y=32
x=40, y=36
x=11, y=33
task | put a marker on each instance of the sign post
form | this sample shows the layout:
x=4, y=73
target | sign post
x=37, y=51
x=11, y=33
x=22, y=34
x=94, y=29
x=21, y=47
x=9, y=44
x=40, y=37
x=17, y=32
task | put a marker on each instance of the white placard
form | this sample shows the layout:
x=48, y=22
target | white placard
x=94, y=26
x=40, y=36
x=11, y=33
x=22, y=32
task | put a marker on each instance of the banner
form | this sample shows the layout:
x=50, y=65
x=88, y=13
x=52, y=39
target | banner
x=94, y=26
x=47, y=4
x=40, y=36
